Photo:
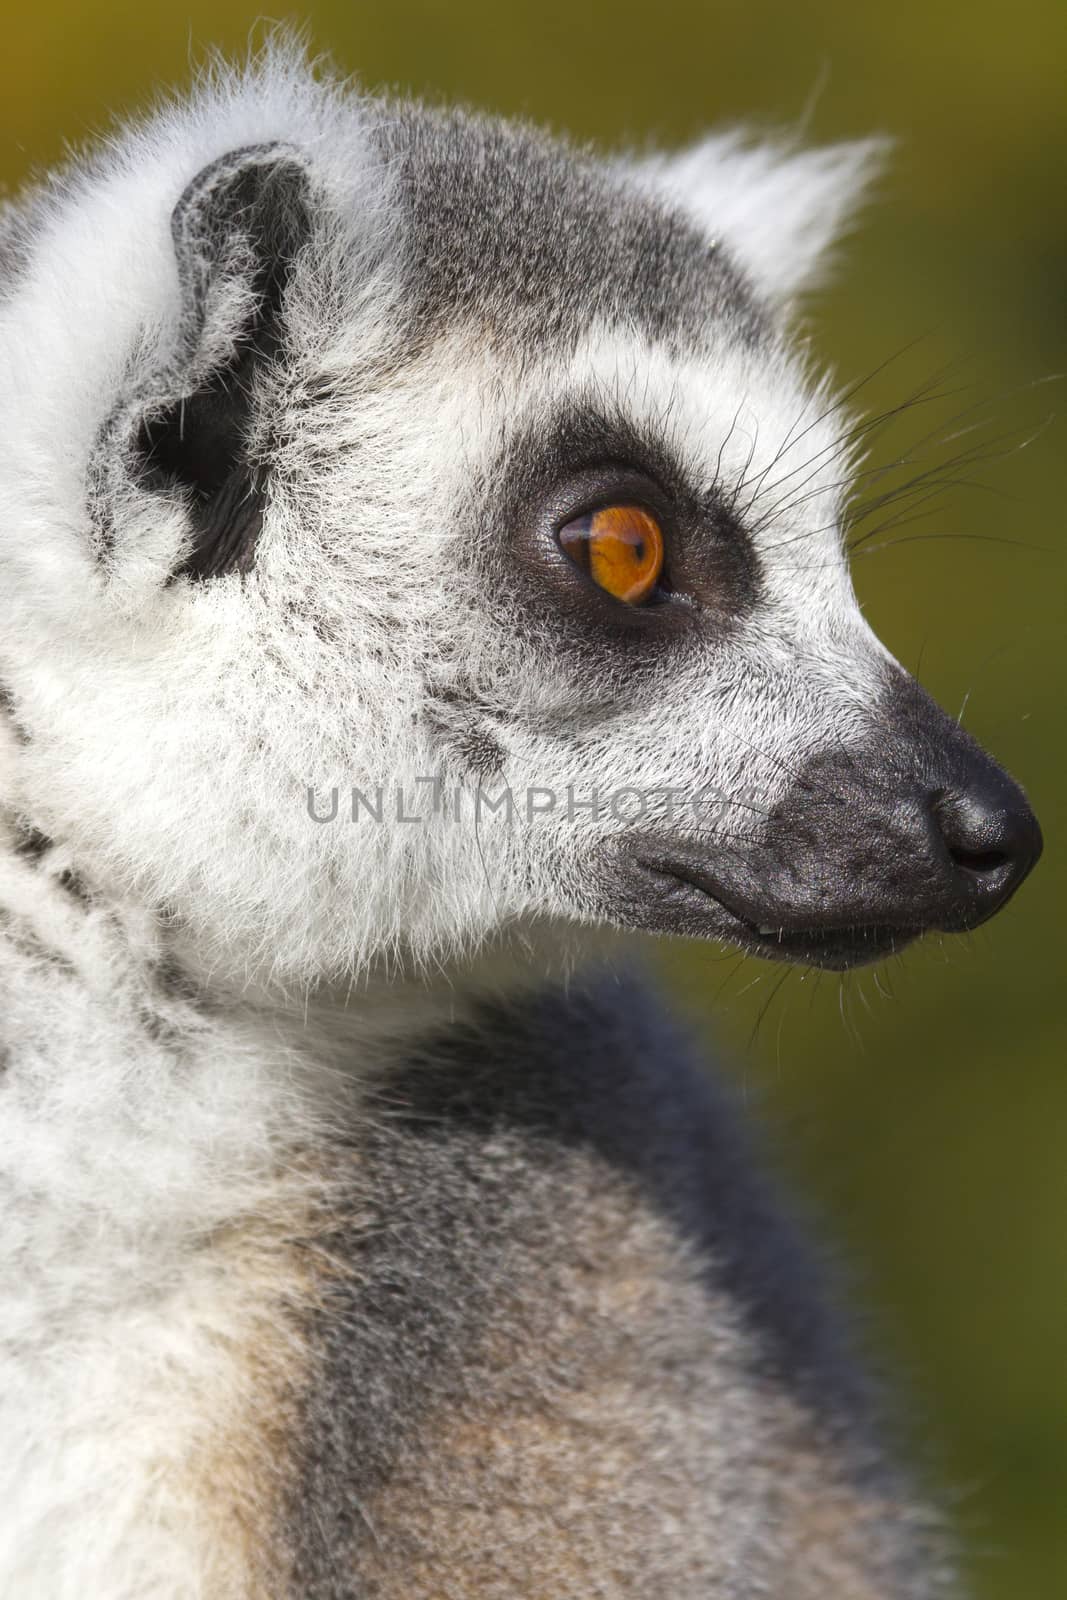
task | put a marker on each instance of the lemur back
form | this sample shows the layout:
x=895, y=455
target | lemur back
x=422, y=552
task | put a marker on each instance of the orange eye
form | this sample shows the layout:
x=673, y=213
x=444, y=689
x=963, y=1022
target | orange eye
x=621, y=548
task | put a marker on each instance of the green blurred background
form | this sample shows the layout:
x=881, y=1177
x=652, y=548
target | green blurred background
x=928, y=1122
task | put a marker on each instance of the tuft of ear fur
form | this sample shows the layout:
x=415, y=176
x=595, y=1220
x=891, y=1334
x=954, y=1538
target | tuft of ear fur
x=780, y=212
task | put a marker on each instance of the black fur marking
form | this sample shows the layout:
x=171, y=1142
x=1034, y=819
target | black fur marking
x=158, y=1028
x=7, y=709
x=465, y=726
x=32, y=845
x=243, y=220
x=75, y=886
x=561, y=465
x=173, y=982
x=481, y=753
x=461, y=1183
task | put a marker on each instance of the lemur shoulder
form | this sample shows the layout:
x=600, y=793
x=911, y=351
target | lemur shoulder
x=358, y=1239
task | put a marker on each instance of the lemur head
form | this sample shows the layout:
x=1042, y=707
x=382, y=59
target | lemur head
x=356, y=446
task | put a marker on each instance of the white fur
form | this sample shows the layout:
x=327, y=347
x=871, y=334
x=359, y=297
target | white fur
x=780, y=210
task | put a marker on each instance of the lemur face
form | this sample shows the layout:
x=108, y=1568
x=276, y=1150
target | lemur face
x=425, y=528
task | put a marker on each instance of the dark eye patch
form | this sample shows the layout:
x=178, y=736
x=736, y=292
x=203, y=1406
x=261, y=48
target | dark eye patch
x=565, y=467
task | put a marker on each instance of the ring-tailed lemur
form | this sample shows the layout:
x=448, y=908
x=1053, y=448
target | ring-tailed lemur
x=366, y=467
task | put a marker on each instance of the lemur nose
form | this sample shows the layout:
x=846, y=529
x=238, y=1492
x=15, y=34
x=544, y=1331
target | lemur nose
x=991, y=836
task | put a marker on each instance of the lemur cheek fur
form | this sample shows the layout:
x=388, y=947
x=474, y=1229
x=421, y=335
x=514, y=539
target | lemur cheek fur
x=353, y=1242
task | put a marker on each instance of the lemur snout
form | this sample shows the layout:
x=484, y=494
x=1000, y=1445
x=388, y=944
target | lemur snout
x=964, y=836
x=912, y=829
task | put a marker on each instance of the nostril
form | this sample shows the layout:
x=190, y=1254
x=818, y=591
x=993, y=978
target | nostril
x=989, y=832
x=978, y=860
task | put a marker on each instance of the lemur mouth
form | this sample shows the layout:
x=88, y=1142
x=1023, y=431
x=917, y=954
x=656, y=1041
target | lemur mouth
x=689, y=903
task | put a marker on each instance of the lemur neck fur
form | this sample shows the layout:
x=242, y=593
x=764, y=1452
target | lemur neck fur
x=159, y=1096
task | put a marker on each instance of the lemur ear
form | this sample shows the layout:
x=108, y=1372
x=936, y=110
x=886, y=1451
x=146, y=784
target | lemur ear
x=237, y=230
x=779, y=212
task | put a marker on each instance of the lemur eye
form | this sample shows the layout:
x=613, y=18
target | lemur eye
x=621, y=548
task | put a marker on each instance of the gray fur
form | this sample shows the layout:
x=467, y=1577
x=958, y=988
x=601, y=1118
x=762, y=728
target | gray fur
x=562, y=1303
x=538, y=240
